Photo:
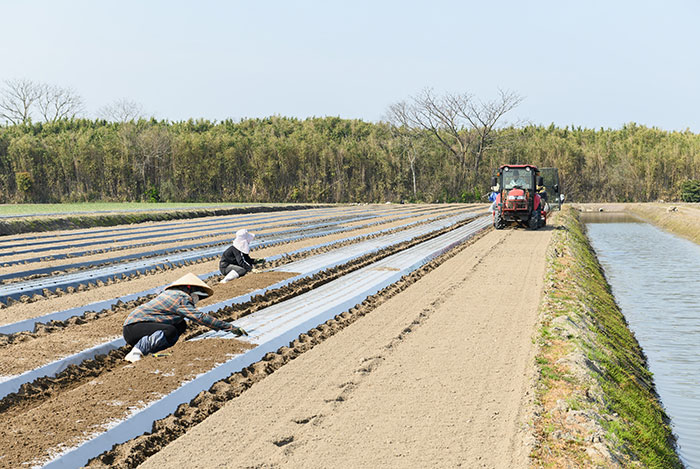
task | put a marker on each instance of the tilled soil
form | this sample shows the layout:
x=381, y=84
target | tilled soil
x=26, y=350
x=440, y=375
x=26, y=420
x=24, y=310
x=41, y=348
x=116, y=243
x=36, y=434
x=159, y=239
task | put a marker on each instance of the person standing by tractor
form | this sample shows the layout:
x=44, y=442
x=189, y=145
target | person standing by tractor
x=236, y=261
x=542, y=192
x=493, y=196
x=157, y=324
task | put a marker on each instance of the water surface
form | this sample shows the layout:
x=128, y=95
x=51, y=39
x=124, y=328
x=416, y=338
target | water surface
x=655, y=277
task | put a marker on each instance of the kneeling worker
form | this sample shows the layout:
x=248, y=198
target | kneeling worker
x=157, y=324
x=235, y=261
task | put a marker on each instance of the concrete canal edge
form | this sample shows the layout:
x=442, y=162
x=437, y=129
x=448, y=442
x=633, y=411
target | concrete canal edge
x=597, y=405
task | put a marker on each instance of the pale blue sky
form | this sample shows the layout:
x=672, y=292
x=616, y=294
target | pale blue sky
x=588, y=63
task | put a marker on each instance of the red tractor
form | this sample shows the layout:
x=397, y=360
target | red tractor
x=518, y=198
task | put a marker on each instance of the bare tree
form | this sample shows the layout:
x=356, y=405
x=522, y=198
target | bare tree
x=461, y=124
x=57, y=103
x=17, y=99
x=152, y=145
x=407, y=143
x=412, y=155
x=484, y=117
x=122, y=110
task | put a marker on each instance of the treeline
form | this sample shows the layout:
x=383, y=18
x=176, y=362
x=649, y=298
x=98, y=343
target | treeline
x=632, y=164
x=280, y=159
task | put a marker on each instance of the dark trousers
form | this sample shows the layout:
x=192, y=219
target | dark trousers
x=135, y=331
x=226, y=268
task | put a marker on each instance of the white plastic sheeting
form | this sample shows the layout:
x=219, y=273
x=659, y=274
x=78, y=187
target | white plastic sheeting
x=305, y=267
x=10, y=384
x=319, y=262
x=274, y=327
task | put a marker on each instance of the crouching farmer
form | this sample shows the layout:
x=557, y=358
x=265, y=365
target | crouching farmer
x=235, y=261
x=157, y=324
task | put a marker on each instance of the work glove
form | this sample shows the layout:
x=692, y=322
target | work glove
x=238, y=331
x=258, y=261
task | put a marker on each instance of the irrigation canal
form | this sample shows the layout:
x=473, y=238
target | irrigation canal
x=655, y=277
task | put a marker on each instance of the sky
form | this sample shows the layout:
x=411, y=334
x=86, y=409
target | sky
x=591, y=63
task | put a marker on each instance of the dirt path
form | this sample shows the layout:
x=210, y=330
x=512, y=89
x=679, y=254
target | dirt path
x=439, y=375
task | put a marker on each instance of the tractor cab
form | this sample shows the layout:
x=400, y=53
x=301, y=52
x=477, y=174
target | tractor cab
x=550, y=178
x=520, y=198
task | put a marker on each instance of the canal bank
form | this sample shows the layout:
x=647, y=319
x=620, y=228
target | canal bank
x=597, y=401
x=681, y=219
x=655, y=282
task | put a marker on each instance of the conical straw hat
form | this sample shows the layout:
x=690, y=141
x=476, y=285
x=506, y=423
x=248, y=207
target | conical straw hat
x=193, y=281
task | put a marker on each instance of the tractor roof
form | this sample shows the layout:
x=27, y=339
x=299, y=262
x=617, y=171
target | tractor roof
x=518, y=166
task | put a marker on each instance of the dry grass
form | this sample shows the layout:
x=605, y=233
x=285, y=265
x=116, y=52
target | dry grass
x=683, y=221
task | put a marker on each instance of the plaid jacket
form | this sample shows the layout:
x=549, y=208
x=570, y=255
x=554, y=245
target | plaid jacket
x=172, y=306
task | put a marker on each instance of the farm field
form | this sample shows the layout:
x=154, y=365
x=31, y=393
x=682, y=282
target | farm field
x=415, y=336
x=33, y=210
x=342, y=237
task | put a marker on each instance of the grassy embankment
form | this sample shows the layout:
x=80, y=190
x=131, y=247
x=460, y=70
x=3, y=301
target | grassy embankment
x=598, y=406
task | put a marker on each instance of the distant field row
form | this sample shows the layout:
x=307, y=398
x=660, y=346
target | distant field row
x=92, y=207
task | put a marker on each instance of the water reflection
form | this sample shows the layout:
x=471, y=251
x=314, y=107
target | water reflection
x=609, y=217
x=655, y=277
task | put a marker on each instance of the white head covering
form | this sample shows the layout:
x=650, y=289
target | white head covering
x=242, y=241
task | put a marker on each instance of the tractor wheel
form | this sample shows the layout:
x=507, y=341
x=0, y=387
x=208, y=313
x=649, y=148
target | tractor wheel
x=534, y=222
x=498, y=221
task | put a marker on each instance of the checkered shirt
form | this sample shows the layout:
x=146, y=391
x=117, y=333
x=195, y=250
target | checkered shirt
x=172, y=306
